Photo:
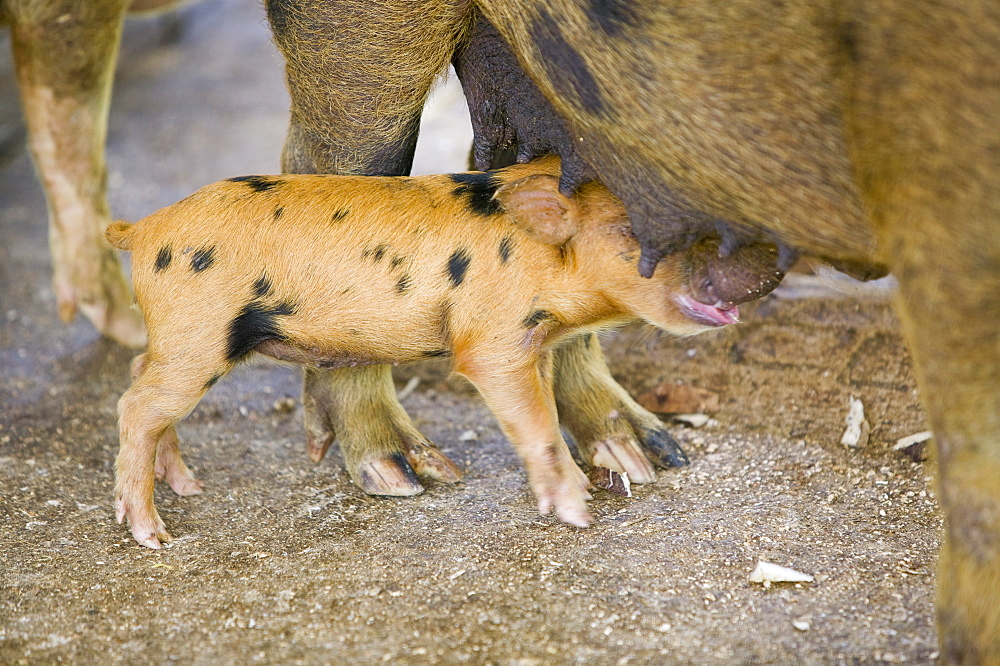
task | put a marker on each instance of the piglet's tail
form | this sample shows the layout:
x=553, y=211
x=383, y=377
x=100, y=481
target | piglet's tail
x=119, y=234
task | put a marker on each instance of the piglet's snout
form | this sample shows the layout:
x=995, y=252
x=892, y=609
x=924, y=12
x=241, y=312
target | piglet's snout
x=708, y=315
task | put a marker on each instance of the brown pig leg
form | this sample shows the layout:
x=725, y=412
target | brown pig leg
x=609, y=427
x=391, y=453
x=927, y=153
x=64, y=53
x=520, y=397
x=945, y=308
x=358, y=80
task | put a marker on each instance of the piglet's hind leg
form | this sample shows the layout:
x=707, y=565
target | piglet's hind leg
x=169, y=463
x=170, y=466
x=147, y=414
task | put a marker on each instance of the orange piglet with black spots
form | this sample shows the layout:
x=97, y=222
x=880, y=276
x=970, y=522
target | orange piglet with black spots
x=494, y=269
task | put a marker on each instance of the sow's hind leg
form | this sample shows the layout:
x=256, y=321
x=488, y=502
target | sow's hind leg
x=384, y=452
x=610, y=429
x=377, y=67
x=64, y=71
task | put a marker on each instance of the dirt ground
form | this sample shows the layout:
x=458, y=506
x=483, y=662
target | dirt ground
x=284, y=561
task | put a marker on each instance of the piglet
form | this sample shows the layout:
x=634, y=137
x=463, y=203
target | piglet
x=493, y=269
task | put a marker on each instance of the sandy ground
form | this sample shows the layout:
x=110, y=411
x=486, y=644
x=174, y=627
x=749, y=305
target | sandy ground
x=284, y=561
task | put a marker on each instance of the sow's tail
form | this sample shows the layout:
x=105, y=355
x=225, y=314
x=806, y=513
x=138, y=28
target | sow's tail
x=119, y=234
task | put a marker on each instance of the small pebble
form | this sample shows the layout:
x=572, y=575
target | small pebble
x=284, y=405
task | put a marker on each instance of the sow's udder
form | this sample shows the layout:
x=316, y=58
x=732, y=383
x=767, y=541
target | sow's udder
x=746, y=274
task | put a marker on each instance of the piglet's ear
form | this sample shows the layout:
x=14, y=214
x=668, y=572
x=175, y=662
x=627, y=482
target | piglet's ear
x=539, y=209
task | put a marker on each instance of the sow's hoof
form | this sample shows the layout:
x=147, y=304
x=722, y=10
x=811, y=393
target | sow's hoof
x=398, y=474
x=661, y=446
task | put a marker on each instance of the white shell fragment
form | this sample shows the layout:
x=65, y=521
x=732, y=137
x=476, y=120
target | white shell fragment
x=907, y=442
x=801, y=625
x=856, y=434
x=612, y=481
x=768, y=573
x=693, y=420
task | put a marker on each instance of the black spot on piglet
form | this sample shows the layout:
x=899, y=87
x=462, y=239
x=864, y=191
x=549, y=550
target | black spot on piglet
x=163, y=259
x=258, y=183
x=479, y=188
x=256, y=323
x=506, y=247
x=202, y=258
x=458, y=264
x=403, y=283
x=213, y=380
x=262, y=287
x=536, y=318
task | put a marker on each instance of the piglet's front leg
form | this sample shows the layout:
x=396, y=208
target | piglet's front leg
x=521, y=399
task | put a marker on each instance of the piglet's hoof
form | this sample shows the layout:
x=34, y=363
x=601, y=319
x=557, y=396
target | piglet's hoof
x=570, y=507
x=184, y=485
x=170, y=467
x=561, y=487
x=146, y=526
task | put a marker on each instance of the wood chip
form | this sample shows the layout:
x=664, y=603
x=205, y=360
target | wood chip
x=610, y=480
x=670, y=398
x=768, y=573
x=693, y=420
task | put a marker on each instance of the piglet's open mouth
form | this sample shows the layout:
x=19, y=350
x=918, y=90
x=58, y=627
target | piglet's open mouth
x=707, y=315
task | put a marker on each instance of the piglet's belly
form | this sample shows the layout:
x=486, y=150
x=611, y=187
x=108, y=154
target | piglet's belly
x=335, y=358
